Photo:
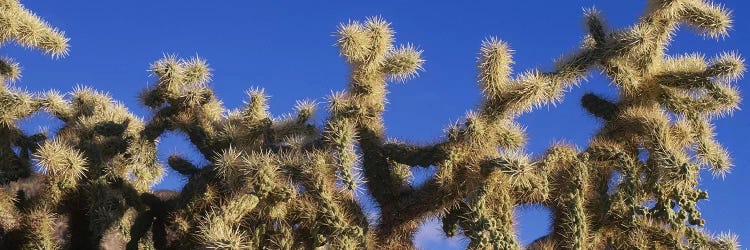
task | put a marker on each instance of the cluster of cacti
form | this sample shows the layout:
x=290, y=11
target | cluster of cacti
x=286, y=183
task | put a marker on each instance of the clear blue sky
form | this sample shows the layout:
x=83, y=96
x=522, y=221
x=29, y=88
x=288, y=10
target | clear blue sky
x=286, y=48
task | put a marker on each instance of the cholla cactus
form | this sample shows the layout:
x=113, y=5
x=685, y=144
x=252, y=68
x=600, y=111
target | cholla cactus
x=285, y=183
x=92, y=173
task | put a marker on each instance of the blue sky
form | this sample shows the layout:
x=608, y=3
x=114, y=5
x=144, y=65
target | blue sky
x=286, y=48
